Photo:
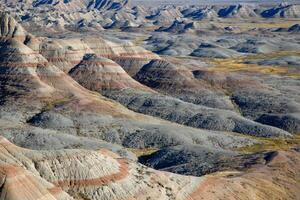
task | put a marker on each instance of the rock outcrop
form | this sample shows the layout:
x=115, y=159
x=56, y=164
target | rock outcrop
x=72, y=174
x=282, y=11
x=10, y=28
x=76, y=174
x=100, y=74
x=241, y=11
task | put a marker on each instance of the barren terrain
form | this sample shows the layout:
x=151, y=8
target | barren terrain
x=125, y=100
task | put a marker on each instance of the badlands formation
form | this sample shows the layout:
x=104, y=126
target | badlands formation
x=105, y=99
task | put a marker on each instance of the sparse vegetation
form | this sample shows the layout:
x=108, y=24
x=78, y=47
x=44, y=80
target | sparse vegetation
x=268, y=144
x=238, y=64
x=143, y=152
x=248, y=24
x=49, y=105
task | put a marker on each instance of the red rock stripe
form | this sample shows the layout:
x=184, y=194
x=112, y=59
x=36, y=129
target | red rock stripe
x=55, y=190
x=105, y=47
x=17, y=37
x=34, y=64
x=31, y=75
x=22, y=64
x=108, y=46
x=104, y=55
x=110, y=56
x=11, y=171
x=86, y=62
x=75, y=62
x=59, y=75
x=123, y=173
x=82, y=52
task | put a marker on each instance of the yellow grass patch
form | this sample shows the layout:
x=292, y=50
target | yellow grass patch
x=52, y=104
x=270, y=144
x=237, y=64
x=143, y=152
x=249, y=24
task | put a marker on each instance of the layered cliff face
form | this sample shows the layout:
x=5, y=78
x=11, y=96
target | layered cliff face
x=103, y=74
x=81, y=174
x=67, y=53
x=77, y=174
x=10, y=28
